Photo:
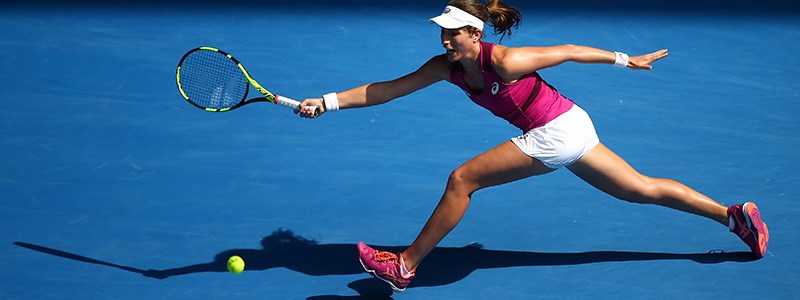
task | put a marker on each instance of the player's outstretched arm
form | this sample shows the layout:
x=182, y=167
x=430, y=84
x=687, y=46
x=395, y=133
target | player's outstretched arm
x=435, y=70
x=512, y=63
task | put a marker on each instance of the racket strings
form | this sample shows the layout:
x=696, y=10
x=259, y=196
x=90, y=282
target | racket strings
x=212, y=80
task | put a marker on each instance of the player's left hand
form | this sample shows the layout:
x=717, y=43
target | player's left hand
x=642, y=62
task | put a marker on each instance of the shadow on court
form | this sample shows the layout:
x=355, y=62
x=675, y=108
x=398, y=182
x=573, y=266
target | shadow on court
x=444, y=265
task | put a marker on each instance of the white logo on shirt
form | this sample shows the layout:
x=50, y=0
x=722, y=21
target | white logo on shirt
x=495, y=88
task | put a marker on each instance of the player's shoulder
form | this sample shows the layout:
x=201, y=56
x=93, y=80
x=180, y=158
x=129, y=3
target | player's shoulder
x=440, y=61
x=502, y=54
x=438, y=66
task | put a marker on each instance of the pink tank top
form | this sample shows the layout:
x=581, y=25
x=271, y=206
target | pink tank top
x=528, y=103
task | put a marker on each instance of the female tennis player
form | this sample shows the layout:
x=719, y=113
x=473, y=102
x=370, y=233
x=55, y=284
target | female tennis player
x=555, y=132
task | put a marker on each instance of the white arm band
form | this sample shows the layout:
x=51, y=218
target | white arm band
x=331, y=101
x=621, y=60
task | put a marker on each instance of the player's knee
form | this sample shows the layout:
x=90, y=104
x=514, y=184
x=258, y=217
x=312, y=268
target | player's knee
x=645, y=192
x=635, y=196
x=460, y=182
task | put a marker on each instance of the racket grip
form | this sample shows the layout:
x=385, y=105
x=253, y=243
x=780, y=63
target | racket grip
x=289, y=102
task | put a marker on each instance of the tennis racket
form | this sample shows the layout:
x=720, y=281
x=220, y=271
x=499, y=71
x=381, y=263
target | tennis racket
x=214, y=81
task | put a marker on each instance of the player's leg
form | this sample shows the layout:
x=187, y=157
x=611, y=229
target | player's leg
x=608, y=172
x=605, y=170
x=503, y=164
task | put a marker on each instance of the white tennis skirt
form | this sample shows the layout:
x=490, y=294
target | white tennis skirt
x=562, y=141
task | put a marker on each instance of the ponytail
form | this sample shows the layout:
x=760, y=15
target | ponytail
x=503, y=17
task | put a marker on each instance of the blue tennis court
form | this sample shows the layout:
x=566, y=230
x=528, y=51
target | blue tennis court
x=114, y=187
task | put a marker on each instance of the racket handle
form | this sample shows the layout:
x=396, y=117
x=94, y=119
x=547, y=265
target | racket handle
x=289, y=102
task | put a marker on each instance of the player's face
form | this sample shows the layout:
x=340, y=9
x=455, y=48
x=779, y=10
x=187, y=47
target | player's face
x=459, y=43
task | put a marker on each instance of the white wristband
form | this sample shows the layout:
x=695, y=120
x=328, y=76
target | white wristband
x=331, y=101
x=621, y=60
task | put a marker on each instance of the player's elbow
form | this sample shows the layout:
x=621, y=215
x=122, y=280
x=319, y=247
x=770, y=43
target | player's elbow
x=379, y=93
x=569, y=48
x=570, y=52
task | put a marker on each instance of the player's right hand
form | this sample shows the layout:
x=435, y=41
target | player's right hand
x=311, y=108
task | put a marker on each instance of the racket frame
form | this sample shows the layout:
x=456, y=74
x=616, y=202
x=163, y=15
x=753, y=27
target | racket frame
x=268, y=96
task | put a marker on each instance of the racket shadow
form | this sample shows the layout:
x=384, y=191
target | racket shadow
x=443, y=266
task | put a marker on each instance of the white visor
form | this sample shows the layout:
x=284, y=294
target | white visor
x=454, y=18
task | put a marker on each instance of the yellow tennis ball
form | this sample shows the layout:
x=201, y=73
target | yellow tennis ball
x=235, y=264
